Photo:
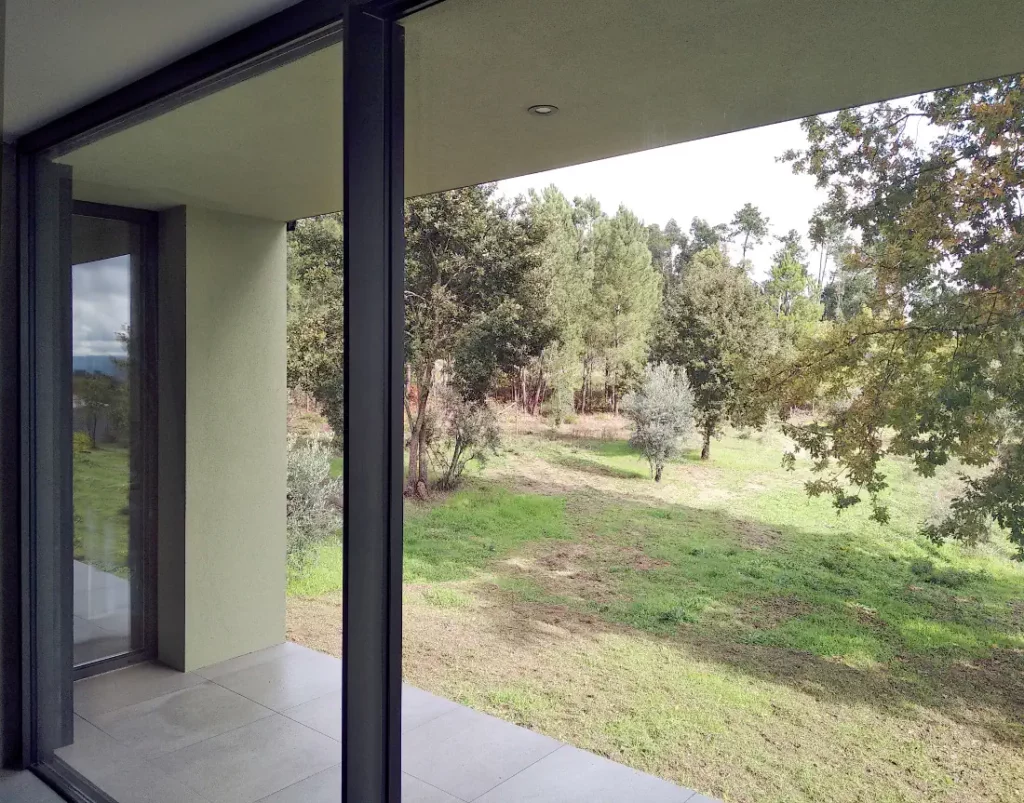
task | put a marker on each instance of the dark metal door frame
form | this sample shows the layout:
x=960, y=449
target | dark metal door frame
x=374, y=271
x=374, y=274
x=142, y=531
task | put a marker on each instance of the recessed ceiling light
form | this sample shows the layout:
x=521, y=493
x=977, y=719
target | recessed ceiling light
x=543, y=109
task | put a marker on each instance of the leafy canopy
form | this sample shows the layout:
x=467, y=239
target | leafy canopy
x=932, y=367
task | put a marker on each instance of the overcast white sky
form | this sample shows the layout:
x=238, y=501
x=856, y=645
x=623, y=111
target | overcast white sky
x=709, y=178
x=100, y=306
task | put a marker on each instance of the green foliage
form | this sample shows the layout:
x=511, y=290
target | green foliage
x=82, y=443
x=750, y=226
x=563, y=279
x=792, y=293
x=937, y=353
x=469, y=300
x=100, y=397
x=626, y=298
x=316, y=314
x=718, y=328
x=464, y=431
x=661, y=410
x=314, y=499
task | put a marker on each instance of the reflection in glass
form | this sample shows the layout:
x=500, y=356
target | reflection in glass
x=103, y=402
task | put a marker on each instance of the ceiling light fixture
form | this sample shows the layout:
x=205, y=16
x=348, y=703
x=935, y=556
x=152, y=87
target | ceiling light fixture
x=543, y=109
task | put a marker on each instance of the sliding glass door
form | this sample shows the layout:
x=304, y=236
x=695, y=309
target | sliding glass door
x=109, y=445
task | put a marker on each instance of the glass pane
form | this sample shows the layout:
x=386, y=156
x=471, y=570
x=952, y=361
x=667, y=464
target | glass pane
x=105, y=257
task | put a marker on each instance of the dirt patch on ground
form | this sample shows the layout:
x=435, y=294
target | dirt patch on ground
x=773, y=612
x=586, y=570
x=756, y=536
x=315, y=623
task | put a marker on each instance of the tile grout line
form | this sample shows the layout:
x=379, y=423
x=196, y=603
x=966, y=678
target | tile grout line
x=524, y=769
x=434, y=786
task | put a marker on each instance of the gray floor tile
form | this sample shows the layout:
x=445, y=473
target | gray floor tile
x=573, y=776
x=322, y=714
x=416, y=791
x=135, y=684
x=180, y=718
x=95, y=753
x=141, y=782
x=324, y=787
x=24, y=787
x=287, y=681
x=253, y=761
x=252, y=659
x=466, y=753
x=419, y=707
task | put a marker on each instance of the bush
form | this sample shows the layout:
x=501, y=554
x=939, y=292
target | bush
x=662, y=414
x=464, y=431
x=314, y=498
x=81, y=443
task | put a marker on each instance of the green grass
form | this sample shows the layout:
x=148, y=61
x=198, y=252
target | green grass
x=720, y=628
x=452, y=540
x=101, y=517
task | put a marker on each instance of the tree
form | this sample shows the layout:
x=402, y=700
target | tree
x=663, y=245
x=937, y=355
x=792, y=293
x=625, y=300
x=96, y=394
x=562, y=281
x=661, y=410
x=718, y=328
x=828, y=234
x=316, y=314
x=468, y=303
x=750, y=226
x=848, y=292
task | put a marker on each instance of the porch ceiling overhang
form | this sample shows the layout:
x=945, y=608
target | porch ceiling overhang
x=627, y=75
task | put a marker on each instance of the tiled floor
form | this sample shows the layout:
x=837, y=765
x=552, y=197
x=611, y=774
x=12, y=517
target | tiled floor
x=265, y=727
x=24, y=787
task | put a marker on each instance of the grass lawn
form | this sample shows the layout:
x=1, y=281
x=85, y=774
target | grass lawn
x=719, y=629
x=100, y=487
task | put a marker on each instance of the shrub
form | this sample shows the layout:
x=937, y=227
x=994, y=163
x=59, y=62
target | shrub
x=314, y=498
x=82, y=443
x=662, y=414
x=464, y=431
x=307, y=426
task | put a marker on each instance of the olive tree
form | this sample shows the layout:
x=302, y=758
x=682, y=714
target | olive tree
x=661, y=410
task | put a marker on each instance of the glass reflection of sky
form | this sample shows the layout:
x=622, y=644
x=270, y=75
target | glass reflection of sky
x=100, y=306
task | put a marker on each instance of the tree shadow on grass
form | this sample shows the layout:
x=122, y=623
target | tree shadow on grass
x=600, y=469
x=784, y=612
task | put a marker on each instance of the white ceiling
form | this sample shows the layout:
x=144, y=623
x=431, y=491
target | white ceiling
x=61, y=54
x=627, y=74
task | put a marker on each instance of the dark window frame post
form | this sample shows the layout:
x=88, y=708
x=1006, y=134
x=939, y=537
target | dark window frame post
x=374, y=275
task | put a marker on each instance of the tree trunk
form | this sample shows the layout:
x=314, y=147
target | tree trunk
x=705, y=452
x=522, y=379
x=536, y=398
x=423, y=474
x=417, y=477
x=414, y=462
x=657, y=472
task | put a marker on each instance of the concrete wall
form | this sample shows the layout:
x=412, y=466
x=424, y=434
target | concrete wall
x=222, y=500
